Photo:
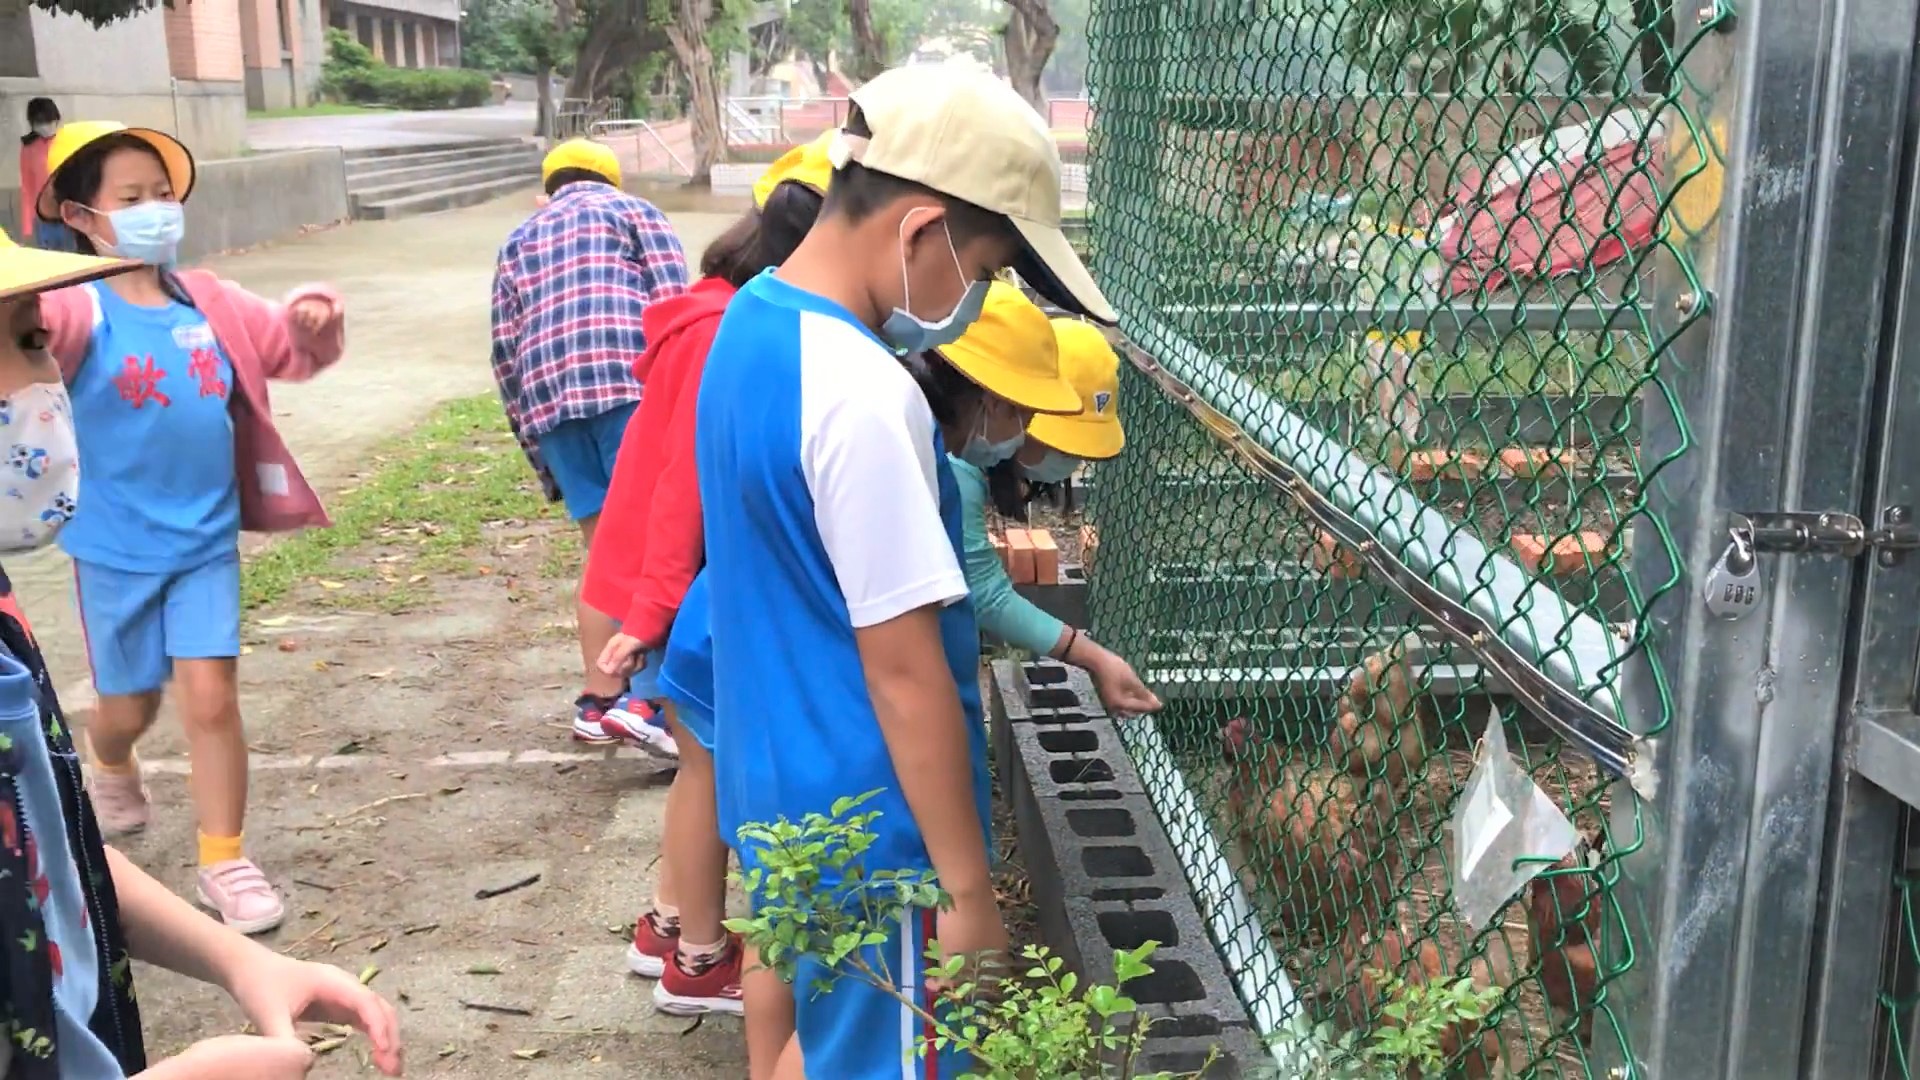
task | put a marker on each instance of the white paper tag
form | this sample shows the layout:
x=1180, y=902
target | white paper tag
x=1481, y=822
x=273, y=478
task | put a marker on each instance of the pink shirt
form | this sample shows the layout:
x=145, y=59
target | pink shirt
x=261, y=343
x=33, y=177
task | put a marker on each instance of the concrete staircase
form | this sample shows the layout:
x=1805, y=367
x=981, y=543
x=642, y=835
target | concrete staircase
x=400, y=181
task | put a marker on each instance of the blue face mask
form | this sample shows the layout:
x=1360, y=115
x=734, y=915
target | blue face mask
x=909, y=333
x=149, y=232
x=982, y=452
x=1052, y=469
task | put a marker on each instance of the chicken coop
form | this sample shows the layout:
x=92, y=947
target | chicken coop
x=1525, y=386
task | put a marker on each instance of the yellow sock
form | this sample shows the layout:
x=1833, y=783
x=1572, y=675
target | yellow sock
x=218, y=849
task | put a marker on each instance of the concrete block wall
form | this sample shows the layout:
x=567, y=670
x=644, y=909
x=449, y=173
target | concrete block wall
x=1104, y=876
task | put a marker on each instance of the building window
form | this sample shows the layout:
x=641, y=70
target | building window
x=390, y=46
x=411, y=35
x=365, y=30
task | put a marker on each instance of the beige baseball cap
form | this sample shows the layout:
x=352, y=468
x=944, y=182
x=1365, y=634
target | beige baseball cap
x=967, y=134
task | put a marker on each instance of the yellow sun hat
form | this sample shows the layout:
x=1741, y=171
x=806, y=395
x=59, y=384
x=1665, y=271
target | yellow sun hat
x=806, y=164
x=77, y=136
x=26, y=271
x=1089, y=363
x=1011, y=352
x=583, y=154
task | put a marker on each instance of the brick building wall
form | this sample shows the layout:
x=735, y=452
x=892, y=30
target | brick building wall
x=203, y=41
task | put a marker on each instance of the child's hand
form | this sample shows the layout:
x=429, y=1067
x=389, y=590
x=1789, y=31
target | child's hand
x=311, y=314
x=972, y=927
x=1119, y=686
x=277, y=991
x=238, y=1057
x=623, y=656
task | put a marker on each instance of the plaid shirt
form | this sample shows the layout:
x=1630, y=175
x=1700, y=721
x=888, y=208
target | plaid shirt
x=568, y=291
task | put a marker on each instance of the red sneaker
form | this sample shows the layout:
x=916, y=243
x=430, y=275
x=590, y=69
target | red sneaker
x=711, y=985
x=655, y=941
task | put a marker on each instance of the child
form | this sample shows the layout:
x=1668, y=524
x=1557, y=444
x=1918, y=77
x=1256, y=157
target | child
x=570, y=294
x=844, y=652
x=43, y=121
x=168, y=372
x=642, y=567
x=1053, y=449
x=72, y=910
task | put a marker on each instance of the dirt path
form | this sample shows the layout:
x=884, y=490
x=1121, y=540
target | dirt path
x=406, y=716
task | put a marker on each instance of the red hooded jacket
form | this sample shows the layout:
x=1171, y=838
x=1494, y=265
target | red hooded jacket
x=649, y=543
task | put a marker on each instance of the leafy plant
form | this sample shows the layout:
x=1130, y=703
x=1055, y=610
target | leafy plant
x=352, y=73
x=815, y=900
x=1408, y=1042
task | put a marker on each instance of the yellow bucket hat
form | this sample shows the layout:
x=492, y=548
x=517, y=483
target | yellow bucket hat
x=805, y=164
x=26, y=271
x=581, y=154
x=80, y=134
x=1011, y=352
x=1091, y=365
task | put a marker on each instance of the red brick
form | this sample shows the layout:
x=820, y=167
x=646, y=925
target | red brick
x=1449, y=464
x=1542, y=461
x=1046, y=557
x=1334, y=560
x=1089, y=546
x=1570, y=554
x=1020, y=557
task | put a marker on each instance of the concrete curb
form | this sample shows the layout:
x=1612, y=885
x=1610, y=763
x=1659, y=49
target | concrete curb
x=1103, y=873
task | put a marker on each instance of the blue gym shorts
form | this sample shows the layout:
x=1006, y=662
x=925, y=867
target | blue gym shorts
x=580, y=453
x=859, y=1032
x=137, y=623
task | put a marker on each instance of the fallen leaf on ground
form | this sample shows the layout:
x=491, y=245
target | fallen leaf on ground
x=483, y=969
x=325, y=584
x=380, y=674
x=529, y=1055
x=277, y=620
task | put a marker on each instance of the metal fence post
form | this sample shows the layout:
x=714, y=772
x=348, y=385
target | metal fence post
x=1797, y=100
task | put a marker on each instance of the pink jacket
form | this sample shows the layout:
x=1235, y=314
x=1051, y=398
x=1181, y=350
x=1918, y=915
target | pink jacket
x=261, y=343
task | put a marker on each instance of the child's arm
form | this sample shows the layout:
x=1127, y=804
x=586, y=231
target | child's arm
x=273, y=990
x=295, y=338
x=676, y=537
x=506, y=374
x=67, y=315
x=872, y=470
x=1003, y=613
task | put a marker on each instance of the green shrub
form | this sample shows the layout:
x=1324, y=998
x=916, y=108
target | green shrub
x=352, y=74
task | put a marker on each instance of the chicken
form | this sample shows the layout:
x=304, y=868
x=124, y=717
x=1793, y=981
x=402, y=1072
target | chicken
x=1312, y=834
x=1392, y=952
x=1563, y=925
x=1380, y=730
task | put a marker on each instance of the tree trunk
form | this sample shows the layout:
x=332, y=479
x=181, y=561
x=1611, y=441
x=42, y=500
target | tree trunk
x=1654, y=19
x=869, y=50
x=1028, y=40
x=688, y=33
x=543, y=103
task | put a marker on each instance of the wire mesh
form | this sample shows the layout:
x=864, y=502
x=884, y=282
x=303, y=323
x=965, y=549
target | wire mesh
x=1426, y=230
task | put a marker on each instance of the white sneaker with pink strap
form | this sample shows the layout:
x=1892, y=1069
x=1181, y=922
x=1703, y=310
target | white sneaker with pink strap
x=240, y=892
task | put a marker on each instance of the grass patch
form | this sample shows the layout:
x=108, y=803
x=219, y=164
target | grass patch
x=318, y=108
x=430, y=493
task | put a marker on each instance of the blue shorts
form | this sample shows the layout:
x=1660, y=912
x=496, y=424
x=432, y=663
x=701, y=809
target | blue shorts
x=53, y=236
x=580, y=453
x=137, y=623
x=645, y=683
x=686, y=671
x=693, y=717
x=858, y=1032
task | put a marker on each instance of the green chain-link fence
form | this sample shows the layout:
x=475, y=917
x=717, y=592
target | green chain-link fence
x=1380, y=265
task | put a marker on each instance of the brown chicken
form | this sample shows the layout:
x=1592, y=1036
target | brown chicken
x=1380, y=730
x=1563, y=926
x=1312, y=834
x=1392, y=952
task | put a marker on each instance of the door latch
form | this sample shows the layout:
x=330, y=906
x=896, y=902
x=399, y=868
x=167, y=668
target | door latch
x=1830, y=533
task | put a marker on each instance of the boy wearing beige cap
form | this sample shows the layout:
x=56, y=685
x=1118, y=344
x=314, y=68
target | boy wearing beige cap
x=844, y=646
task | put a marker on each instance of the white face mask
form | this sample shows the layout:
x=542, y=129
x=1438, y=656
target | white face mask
x=46, y=131
x=40, y=478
